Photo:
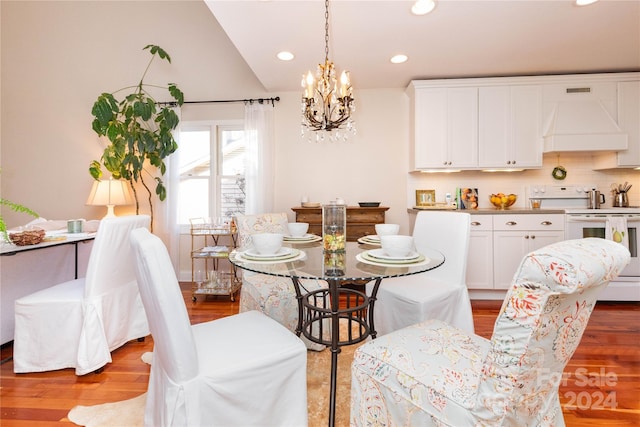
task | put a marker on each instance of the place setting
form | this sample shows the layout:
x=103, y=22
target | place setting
x=267, y=249
x=298, y=233
x=381, y=230
x=395, y=251
x=371, y=239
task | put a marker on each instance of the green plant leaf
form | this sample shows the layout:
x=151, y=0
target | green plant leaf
x=138, y=131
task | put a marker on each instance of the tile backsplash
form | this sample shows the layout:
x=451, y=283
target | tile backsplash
x=579, y=171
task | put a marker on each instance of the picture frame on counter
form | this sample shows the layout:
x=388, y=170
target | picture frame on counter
x=425, y=197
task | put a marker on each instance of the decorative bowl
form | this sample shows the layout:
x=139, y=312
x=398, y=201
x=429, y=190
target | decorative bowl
x=502, y=201
x=387, y=229
x=396, y=245
x=298, y=229
x=27, y=237
x=267, y=243
x=369, y=204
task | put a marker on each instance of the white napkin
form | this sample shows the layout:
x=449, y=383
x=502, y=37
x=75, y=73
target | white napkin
x=616, y=230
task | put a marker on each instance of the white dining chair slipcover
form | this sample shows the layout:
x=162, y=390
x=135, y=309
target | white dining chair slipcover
x=241, y=370
x=436, y=294
x=273, y=295
x=432, y=374
x=76, y=324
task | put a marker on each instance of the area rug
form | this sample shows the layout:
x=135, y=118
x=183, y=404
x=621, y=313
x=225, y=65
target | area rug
x=130, y=413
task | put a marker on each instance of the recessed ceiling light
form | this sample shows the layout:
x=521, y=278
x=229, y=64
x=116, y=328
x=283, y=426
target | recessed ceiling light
x=399, y=59
x=285, y=56
x=585, y=2
x=422, y=7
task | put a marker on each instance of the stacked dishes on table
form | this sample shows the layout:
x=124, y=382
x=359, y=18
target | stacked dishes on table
x=380, y=258
x=284, y=254
x=370, y=240
x=307, y=238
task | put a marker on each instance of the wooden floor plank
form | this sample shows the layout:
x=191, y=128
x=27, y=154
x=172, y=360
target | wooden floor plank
x=610, y=346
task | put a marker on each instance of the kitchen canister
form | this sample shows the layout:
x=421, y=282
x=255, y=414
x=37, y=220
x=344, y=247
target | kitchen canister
x=74, y=226
x=334, y=227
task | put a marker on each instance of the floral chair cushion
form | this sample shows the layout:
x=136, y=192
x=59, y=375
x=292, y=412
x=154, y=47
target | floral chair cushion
x=433, y=374
x=272, y=295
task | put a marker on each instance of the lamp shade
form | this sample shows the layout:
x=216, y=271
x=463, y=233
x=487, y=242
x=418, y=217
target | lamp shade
x=109, y=193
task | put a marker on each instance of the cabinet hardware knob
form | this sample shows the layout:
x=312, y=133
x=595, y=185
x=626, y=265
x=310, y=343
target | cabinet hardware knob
x=476, y=223
x=512, y=223
x=526, y=237
x=546, y=223
x=508, y=162
x=533, y=237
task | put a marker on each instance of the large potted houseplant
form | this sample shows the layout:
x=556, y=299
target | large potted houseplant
x=139, y=130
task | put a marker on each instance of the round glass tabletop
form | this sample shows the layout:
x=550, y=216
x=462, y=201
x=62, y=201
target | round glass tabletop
x=309, y=261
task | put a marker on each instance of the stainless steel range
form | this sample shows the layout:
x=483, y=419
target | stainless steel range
x=582, y=221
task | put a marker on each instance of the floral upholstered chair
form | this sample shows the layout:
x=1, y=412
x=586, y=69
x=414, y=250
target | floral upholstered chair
x=272, y=295
x=432, y=374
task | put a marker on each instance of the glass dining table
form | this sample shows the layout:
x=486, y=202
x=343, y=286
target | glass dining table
x=341, y=313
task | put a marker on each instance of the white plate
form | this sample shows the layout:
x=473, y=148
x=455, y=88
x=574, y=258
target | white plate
x=306, y=238
x=294, y=256
x=282, y=252
x=367, y=259
x=366, y=241
x=380, y=254
x=372, y=237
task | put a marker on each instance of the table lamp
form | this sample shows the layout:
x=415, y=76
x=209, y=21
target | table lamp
x=109, y=193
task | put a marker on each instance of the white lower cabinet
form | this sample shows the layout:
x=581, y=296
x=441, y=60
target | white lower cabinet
x=480, y=260
x=516, y=235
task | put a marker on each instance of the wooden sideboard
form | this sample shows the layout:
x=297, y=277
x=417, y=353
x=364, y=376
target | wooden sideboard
x=360, y=221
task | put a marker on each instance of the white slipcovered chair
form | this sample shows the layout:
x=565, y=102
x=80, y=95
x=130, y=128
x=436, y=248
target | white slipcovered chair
x=76, y=324
x=241, y=370
x=272, y=295
x=437, y=294
x=432, y=374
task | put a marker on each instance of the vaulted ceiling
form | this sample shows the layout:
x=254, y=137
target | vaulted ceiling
x=459, y=38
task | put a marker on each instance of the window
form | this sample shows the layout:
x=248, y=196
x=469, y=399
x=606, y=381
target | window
x=211, y=161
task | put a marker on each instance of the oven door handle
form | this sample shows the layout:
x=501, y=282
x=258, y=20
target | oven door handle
x=598, y=219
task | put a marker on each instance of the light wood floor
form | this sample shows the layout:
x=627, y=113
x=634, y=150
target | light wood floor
x=602, y=386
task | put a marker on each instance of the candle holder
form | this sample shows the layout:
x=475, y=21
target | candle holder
x=334, y=227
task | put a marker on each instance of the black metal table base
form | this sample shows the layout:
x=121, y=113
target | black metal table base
x=320, y=315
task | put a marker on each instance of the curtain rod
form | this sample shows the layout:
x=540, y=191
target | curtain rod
x=249, y=101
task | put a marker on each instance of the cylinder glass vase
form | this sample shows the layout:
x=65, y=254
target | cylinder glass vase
x=334, y=227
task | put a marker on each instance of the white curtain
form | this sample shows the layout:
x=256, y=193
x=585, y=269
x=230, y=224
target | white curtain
x=260, y=157
x=166, y=213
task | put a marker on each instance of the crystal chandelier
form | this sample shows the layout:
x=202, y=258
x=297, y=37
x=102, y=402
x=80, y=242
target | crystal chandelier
x=326, y=104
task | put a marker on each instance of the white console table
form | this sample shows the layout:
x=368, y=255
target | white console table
x=27, y=269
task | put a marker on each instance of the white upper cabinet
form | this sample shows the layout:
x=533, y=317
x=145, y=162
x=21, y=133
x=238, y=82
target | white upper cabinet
x=509, y=127
x=445, y=127
x=509, y=122
x=629, y=122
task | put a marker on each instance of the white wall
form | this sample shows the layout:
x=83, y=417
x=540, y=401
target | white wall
x=58, y=56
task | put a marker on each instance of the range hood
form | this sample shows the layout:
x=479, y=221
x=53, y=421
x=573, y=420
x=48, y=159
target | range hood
x=582, y=125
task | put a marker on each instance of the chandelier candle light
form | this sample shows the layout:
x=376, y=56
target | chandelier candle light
x=327, y=106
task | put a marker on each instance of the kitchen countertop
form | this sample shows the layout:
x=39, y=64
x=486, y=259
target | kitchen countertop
x=492, y=211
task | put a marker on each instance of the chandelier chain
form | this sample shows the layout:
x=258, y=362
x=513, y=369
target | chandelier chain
x=326, y=31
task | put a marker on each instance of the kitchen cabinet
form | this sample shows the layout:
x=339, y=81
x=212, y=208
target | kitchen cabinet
x=509, y=127
x=629, y=122
x=516, y=235
x=444, y=127
x=480, y=260
x=360, y=221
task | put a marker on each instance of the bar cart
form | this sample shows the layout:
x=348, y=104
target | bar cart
x=207, y=250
